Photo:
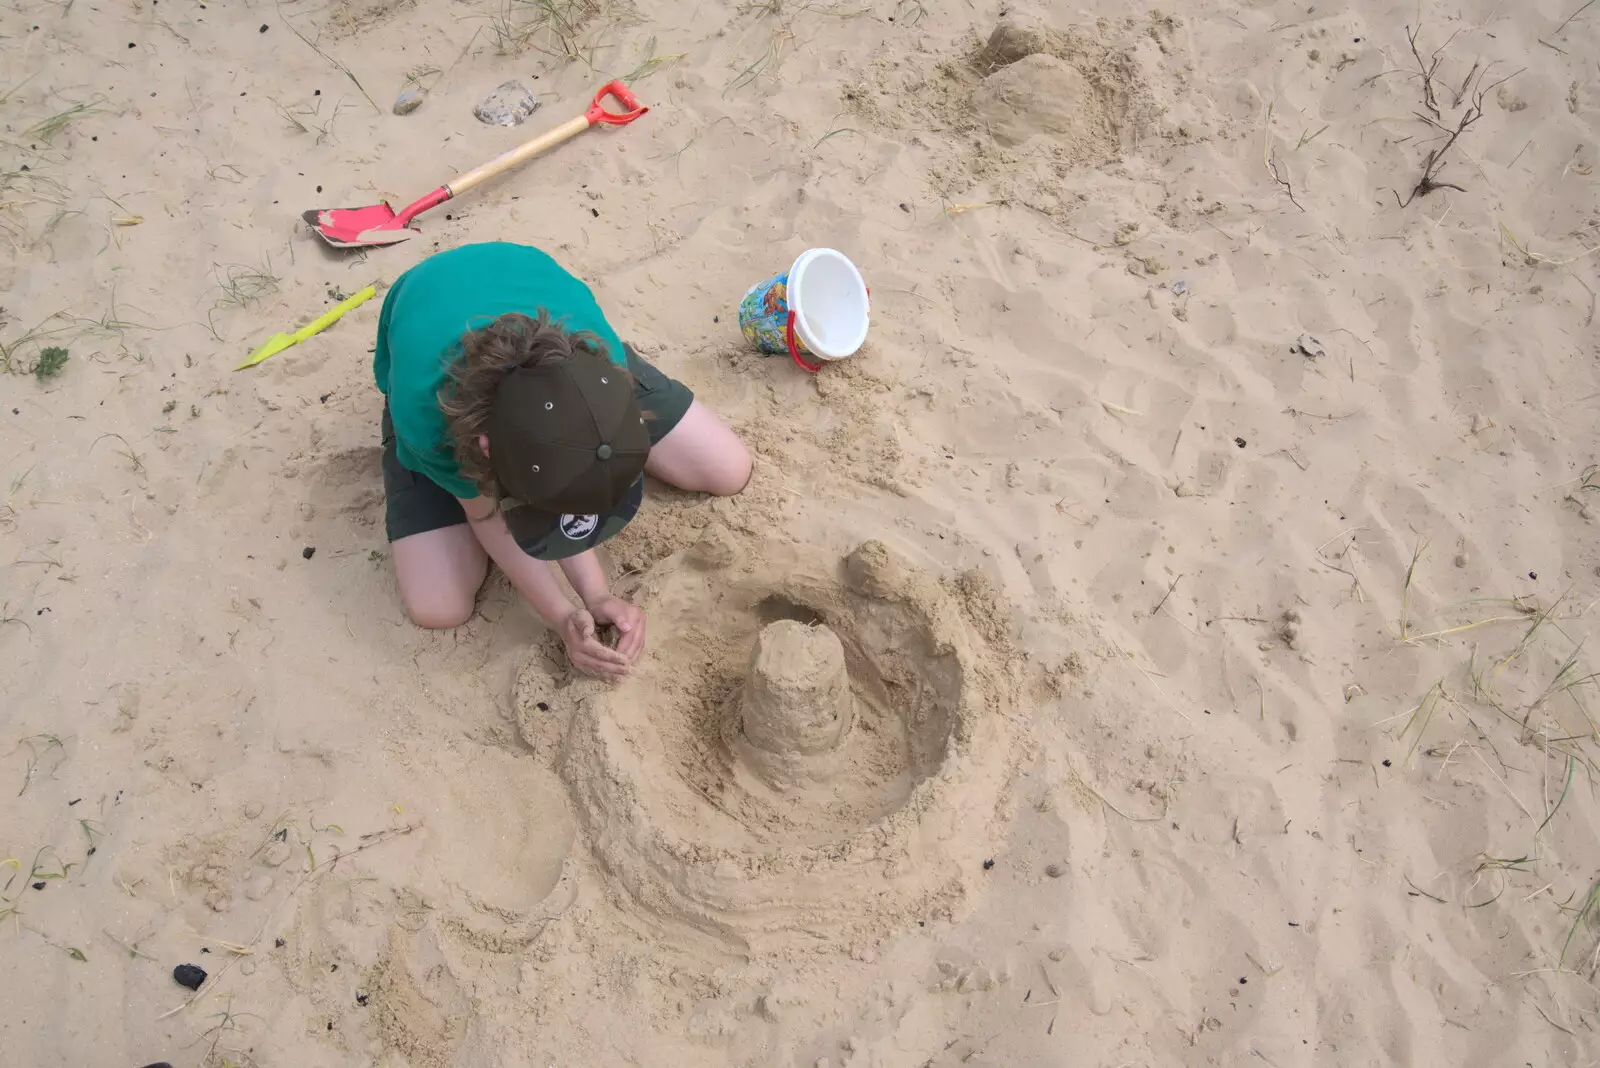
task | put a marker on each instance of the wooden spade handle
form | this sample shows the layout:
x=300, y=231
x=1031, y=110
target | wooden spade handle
x=519, y=155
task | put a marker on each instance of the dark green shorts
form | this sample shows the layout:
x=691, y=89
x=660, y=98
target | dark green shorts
x=416, y=504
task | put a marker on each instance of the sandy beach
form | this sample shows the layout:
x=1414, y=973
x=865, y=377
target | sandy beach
x=1207, y=525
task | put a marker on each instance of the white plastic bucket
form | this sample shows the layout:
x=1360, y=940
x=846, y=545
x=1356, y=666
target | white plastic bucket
x=820, y=307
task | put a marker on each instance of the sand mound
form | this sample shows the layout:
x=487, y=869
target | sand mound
x=815, y=750
x=1036, y=95
x=1016, y=36
x=1091, y=96
x=1035, y=104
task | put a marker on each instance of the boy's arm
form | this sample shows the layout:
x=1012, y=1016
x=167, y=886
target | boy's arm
x=536, y=581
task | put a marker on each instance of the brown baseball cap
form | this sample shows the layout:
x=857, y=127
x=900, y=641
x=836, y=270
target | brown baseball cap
x=568, y=442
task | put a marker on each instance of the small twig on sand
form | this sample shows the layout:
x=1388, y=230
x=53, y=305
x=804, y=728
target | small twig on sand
x=1572, y=16
x=1272, y=169
x=1424, y=893
x=1433, y=165
x=1270, y=157
x=1461, y=94
x=1164, y=596
x=1429, y=182
x=1320, y=415
x=1535, y=1004
x=1427, y=69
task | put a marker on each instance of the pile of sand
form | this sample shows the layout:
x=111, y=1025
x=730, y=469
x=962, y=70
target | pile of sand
x=1038, y=101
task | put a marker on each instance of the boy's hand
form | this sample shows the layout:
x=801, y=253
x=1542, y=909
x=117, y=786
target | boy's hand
x=627, y=618
x=587, y=652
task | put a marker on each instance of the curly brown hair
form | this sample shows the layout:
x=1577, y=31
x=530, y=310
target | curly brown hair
x=488, y=354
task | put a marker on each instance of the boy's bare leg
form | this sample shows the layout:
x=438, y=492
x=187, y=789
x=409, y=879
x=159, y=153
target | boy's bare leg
x=439, y=572
x=701, y=455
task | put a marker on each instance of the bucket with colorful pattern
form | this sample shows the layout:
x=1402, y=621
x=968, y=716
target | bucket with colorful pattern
x=816, y=311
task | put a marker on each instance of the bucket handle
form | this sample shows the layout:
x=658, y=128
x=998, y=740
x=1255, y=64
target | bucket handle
x=794, y=348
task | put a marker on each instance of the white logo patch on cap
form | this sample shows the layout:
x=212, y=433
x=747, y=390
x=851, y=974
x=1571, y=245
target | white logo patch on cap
x=578, y=527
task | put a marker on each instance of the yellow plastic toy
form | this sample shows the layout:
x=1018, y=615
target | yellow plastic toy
x=278, y=342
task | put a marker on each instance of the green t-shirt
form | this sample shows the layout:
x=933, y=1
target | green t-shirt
x=419, y=336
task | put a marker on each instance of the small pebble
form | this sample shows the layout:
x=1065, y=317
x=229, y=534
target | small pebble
x=1461, y=559
x=308, y=552
x=988, y=864
x=1239, y=442
x=39, y=885
x=1055, y=871
x=263, y=28
x=408, y=101
x=1179, y=288
x=189, y=975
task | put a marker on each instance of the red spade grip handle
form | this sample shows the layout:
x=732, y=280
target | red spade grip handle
x=622, y=95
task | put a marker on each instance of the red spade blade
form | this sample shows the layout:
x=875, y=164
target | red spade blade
x=355, y=227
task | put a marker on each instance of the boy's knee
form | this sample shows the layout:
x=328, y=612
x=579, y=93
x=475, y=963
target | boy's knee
x=439, y=614
x=732, y=476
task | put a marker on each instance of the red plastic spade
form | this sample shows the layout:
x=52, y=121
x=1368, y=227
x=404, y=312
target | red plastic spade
x=382, y=225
